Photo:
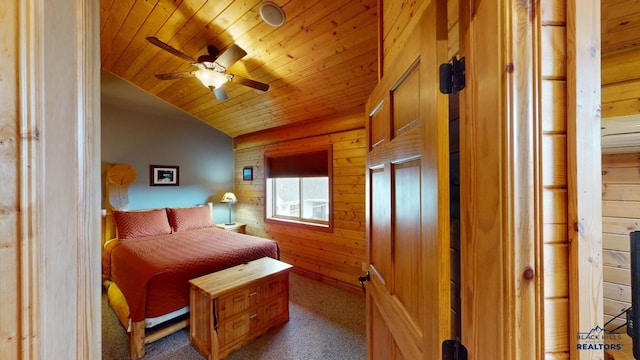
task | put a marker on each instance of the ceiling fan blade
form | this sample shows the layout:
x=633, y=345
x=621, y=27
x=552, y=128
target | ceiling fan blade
x=248, y=82
x=213, y=51
x=220, y=93
x=168, y=48
x=173, y=76
x=206, y=58
x=230, y=56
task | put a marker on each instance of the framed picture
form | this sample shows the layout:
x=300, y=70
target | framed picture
x=247, y=173
x=164, y=175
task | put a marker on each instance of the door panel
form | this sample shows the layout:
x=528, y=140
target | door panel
x=408, y=302
x=380, y=233
x=405, y=98
x=407, y=239
x=381, y=342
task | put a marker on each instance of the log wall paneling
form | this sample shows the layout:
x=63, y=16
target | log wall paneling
x=334, y=257
x=621, y=66
x=620, y=75
x=553, y=118
x=620, y=25
x=620, y=83
x=620, y=199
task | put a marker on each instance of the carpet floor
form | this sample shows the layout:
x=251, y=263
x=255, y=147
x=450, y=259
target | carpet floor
x=324, y=323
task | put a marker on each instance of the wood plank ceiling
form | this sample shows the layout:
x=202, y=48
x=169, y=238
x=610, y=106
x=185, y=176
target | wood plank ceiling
x=320, y=64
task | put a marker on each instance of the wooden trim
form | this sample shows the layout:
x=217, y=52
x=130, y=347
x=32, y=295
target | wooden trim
x=436, y=252
x=89, y=186
x=522, y=185
x=380, y=50
x=522, y=208
x=302, y=130
x=59, y=117
x=482, y=142
x=30, y=108
x=584, y=177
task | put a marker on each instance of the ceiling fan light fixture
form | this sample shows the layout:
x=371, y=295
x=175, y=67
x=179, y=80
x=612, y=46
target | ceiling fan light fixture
x=272, y=14
x=210, y=78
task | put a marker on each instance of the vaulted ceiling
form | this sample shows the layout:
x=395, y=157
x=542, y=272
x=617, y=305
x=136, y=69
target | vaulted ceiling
x=320, y=64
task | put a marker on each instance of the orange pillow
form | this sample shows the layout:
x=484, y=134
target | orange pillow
x=189, y=218
x=133, y=224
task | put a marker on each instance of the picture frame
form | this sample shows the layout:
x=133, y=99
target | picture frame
x=247, y=173
x=164, y=175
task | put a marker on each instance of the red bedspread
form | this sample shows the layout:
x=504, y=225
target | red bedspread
x=153, y=272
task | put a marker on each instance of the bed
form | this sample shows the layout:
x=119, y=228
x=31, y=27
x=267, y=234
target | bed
x=146, y=268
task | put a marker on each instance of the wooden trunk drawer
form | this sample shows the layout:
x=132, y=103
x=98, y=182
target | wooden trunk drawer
x=272, y=310
x=237, y=302
x=273, y=288
x=236, y=329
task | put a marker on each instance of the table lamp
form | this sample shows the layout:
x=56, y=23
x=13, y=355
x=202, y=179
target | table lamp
x=229, y=198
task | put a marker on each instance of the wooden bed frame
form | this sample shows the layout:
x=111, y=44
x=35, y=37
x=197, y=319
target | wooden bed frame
x=137, y=335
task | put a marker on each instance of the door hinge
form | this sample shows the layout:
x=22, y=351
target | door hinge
x=362, y=279
x=452, y=76
x=453, y=350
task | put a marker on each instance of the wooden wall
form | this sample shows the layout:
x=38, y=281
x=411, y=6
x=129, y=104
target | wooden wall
x=554, y=168
x=620, y=76
x=621, y=83
x=620, y=178
x=336, y=257
x=620, y=216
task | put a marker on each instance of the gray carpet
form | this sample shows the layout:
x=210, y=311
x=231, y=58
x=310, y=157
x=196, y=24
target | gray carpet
x=325, y=323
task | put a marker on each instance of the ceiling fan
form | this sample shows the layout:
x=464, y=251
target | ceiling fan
x=212, y=67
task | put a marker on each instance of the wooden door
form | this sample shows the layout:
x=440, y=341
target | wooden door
x=408, y=296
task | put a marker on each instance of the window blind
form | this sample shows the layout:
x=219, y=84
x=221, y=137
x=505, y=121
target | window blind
x=313, y=164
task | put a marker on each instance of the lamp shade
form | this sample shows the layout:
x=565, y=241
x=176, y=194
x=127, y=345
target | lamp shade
x=229, y=197
x=210, y=78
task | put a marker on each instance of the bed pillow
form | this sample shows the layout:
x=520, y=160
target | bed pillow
x=134, y=224
x=189, y=218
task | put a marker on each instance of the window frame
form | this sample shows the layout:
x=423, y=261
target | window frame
x=299, y=222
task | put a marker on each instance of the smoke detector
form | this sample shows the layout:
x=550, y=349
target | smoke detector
x=272, y=14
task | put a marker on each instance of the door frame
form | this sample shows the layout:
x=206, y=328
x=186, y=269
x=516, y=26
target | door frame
x=59, y=178
x=501, y=159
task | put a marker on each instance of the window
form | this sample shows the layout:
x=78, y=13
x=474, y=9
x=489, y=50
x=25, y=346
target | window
x=298, y=188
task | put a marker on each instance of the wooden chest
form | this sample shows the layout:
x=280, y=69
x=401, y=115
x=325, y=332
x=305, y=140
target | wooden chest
x=232, y=306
